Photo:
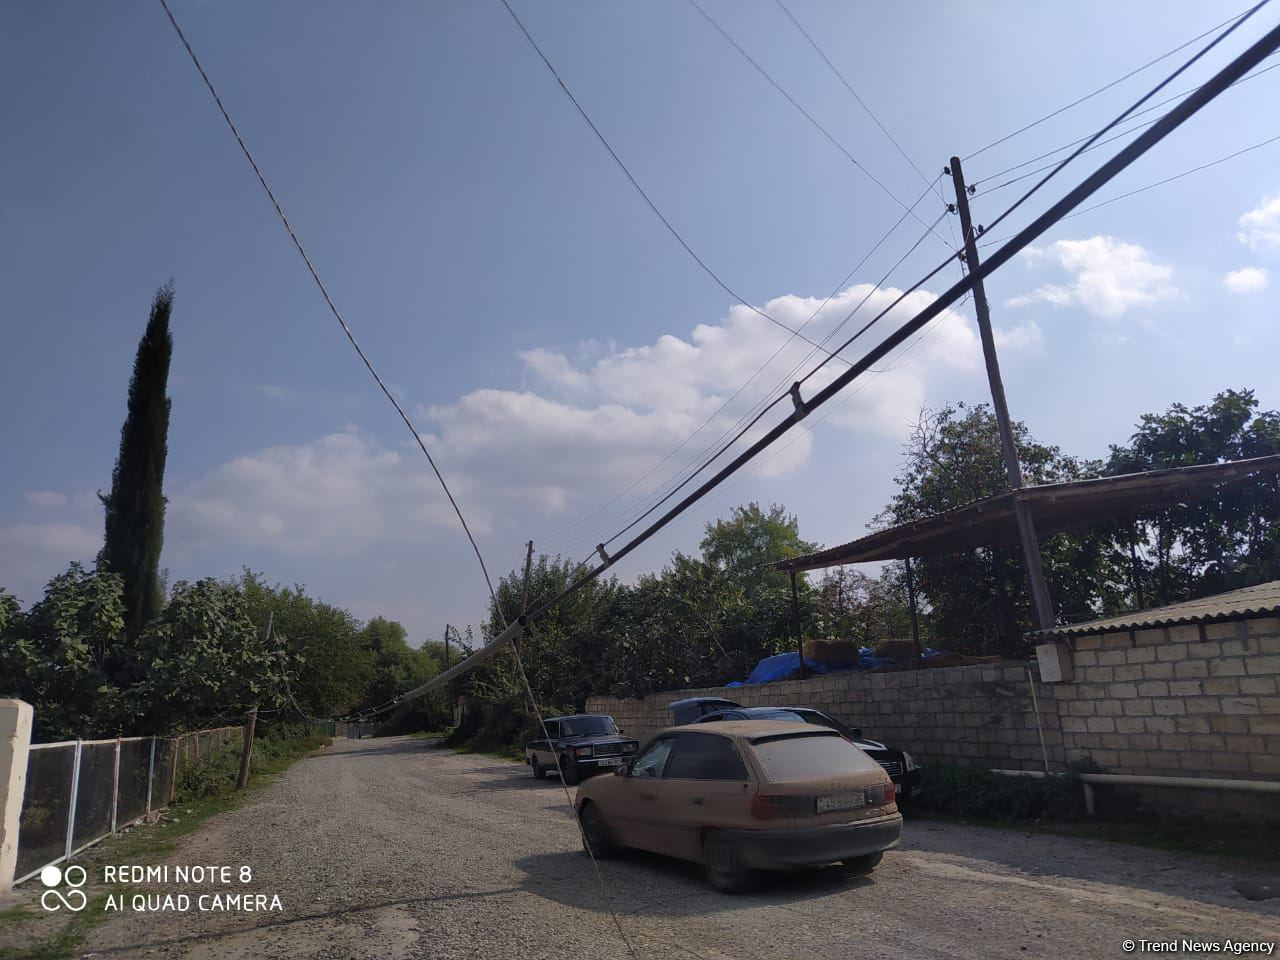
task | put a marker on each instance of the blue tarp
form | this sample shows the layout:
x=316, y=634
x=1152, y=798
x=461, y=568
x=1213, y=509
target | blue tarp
x=786, y=666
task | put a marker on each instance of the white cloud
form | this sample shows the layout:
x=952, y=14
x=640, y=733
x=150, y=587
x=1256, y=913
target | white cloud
x=46, y=498
x=585, y=424
x=1108, y=277
x=1245, y=280
x=1260, y=227
x=340, y=493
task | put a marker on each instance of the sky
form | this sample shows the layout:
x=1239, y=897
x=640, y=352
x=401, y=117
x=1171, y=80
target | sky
x=550, y=339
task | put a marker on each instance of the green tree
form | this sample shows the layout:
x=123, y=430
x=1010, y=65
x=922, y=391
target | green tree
x=205, y=661
x=135, y=506
x=64, y=656
x=978, y=602
x=1207, y=545
x=332, y=668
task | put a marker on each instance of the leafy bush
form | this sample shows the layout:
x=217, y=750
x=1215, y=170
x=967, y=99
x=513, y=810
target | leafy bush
x=972, y=791
x=216, y=773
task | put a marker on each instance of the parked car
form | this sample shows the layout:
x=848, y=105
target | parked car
x=744, y=796
x=687, y=711
x=902, y=769
x=580, y=745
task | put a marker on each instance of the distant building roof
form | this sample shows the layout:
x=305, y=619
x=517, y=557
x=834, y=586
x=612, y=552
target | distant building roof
x=1054, y=507
x=1262, y=600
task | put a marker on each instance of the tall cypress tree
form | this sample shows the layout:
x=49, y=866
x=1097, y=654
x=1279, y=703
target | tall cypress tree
x=135, y=506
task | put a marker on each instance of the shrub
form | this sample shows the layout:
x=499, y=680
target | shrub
x=972, y=791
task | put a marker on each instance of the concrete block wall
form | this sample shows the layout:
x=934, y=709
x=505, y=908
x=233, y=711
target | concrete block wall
x=979, y=714
x=1189, y=700
x=1199, y=700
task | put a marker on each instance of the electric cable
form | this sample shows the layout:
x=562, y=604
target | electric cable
x=819, y=348
x=1095, y=146
x=315, y=276
x=706, y=268
x=1105, y=87
x=1155, y=106
x=1159, y=183
x=808, y=116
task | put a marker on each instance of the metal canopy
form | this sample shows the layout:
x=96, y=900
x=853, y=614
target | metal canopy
x=1054, y=507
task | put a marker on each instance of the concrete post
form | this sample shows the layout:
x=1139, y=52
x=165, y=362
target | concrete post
x=15, y=744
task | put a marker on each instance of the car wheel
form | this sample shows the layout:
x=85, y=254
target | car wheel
x=596, y=836
x=539, y=771
x=861, y=866
x=569, y=771
x=725, y=870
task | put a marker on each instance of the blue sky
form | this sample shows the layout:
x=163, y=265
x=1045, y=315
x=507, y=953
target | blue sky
x=552, y=341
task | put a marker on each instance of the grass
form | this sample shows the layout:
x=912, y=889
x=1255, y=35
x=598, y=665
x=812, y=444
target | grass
x=430, y=734
x=509, y=754
x=202, y=797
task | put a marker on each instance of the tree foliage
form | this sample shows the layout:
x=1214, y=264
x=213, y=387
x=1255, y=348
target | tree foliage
x=135, y=505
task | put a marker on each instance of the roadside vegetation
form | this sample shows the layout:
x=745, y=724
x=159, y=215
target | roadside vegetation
x=708, y=618
x=206, y=790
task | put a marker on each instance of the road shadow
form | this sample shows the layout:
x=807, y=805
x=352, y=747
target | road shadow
x=323, y=916
x=1200, y=877
x=356, y=749
x=641, y=883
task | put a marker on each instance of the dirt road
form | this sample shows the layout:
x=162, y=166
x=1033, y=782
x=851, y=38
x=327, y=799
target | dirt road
x=396, y=849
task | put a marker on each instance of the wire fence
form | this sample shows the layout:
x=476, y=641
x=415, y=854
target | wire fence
x=79, y=791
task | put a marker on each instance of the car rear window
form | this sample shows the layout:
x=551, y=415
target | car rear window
x=810, y=756
x=705, y=757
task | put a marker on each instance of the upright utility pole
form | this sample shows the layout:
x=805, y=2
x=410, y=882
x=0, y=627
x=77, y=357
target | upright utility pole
x=524, y=590
x=446, y=646
x=1040, y=599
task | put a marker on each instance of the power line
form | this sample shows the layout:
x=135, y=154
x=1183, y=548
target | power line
x=1108, y=86
x=636, y=183
x=1160, y=183
x=323, y=290
x=1100, y=143
x=1073, y=198
x=1127, y=113
x=862, y=103
x=840, y=286
x=1155, y=106
x=808, y=116
x=754, y=413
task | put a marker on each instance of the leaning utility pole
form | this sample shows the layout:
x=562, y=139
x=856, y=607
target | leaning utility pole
x=1040, y=599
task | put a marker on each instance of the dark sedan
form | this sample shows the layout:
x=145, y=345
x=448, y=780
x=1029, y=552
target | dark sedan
x=902, y=770
x=580, y=745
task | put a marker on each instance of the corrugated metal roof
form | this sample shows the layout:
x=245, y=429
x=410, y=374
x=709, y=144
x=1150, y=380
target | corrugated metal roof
x=1054, y=507
x=1262, y=600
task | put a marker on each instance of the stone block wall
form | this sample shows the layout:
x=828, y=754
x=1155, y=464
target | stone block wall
x=980, y=714
x=1199, y=700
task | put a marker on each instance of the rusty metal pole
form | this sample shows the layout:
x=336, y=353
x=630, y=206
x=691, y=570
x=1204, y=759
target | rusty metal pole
x=1040, y=600
x=795, y=625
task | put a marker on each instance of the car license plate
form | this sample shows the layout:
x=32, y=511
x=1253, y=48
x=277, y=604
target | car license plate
x=852, y=800
x=609, y=761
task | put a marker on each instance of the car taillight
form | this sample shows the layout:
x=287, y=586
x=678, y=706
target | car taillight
x=766, y=807
x=881, y=794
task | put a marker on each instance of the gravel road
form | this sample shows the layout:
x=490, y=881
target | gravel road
x=397, y=849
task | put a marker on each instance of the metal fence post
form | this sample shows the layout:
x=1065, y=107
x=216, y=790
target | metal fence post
x=151, y=774
x=115, y=787
x=75, y=789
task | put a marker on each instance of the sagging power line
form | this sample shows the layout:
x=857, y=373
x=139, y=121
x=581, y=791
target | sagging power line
x=1245, y=61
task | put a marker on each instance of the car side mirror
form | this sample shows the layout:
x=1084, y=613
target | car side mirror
x=857, y=732
x=622, y=771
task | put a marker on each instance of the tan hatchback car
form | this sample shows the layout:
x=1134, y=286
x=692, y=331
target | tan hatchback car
x=746, y=795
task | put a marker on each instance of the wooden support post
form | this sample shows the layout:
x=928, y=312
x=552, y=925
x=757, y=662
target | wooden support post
x=246, y=754
x=795, y=625
x=1040, y=600
x=915, y=620
x=252, y=720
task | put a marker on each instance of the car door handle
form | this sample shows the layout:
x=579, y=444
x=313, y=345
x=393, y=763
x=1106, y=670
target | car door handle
x=648, y=796
x=696, y=801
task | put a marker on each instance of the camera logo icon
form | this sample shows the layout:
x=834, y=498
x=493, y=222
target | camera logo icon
x=74, y=899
